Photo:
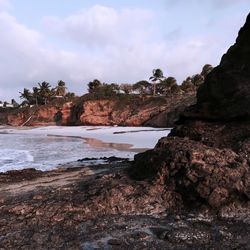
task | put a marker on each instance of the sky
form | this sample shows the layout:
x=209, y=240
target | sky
x=113, y=41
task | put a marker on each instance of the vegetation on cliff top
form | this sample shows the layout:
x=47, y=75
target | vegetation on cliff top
x=157, y=86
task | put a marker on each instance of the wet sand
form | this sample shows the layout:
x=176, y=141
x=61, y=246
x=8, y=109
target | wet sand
x=119, y=146
x=101, y=144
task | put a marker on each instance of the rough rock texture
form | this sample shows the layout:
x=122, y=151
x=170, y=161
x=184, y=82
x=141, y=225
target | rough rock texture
x=201, y=165
x=35, y=116
x=100, y=207
x=206, y=158
x=157, y=112
x=198, y=173
x=226, y=91
x=134, y=111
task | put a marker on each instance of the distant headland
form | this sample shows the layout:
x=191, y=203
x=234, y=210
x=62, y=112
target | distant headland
x=157, y=102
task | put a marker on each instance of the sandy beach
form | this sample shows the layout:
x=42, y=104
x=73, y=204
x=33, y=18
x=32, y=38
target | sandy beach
x=46, y=148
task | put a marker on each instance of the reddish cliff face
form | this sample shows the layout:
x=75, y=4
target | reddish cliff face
x=151, y=111
x=135, y=111
x=97, y=112
x=34, y=117
x=38, y=116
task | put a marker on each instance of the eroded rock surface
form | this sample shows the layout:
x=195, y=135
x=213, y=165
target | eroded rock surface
x=100, y=207
x=226, y=91
x=198, y=173
x=133, y=111
x=206, y=158
x=190, y=192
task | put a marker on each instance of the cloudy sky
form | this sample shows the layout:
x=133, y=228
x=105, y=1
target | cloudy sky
x=113, y=41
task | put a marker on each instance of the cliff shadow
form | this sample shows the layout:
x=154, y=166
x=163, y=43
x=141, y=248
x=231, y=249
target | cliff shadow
x=58, y=117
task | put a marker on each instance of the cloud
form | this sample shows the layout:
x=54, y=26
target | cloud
x=27, y=56
x=113, y=45
x=18, y=46
x=100, y=26
x=5, y=5
x=128, y=43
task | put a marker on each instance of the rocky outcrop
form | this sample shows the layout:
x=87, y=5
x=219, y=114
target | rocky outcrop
x=35, y=116
x=100, y=207
x=206, y=158
x=201, y=165
x=152, y=111
x=126, y=111
x=170, y=115
x=226, y=91
x=199, y=173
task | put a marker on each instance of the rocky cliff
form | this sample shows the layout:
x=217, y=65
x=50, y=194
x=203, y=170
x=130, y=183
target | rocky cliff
x=36, y=116
x=121, y=110
x=203, y=164
x=206, y=158
x=225, y=95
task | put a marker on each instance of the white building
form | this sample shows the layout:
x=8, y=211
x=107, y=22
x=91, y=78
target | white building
x=8, y=105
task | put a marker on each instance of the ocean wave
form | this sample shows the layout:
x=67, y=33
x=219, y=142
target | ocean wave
x=12, y=158
x=45, y=148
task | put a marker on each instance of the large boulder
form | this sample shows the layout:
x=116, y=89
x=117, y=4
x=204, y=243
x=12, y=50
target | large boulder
x=225, y=93
x=206, y=157
x=196, y=172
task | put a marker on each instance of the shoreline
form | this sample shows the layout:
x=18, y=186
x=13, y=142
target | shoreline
x=98, y=207
x=102, y=144
x=76, y=142
x=191, y=191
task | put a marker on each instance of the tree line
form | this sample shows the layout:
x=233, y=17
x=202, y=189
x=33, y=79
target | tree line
x=157, y=85
x=44, y=93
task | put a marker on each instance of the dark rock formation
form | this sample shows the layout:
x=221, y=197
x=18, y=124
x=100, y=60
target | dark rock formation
x=201, y=165
x=81, y=209
x=206, y=158
x=200, y=174
x=170, y=115
x=226, y=91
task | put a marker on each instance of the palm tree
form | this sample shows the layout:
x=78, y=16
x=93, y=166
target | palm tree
x=36, y=94
x=45, y=91
x=61, y=88
x=187, y=85
x=157, y=76
x=166, y=85
x=26, y=94
x=70, y=95
x=197, y=79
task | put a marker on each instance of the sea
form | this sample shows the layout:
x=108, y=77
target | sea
x=47, y=148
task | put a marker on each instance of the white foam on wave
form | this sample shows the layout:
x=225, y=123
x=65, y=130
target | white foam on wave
x=14, y=159
x=10, y=154
x=33, y=148
x=29, y=156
